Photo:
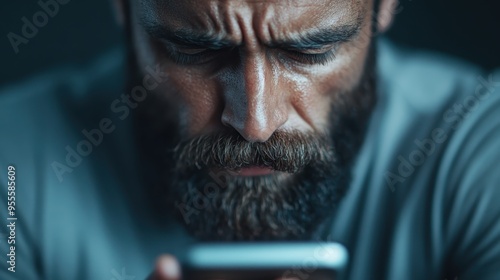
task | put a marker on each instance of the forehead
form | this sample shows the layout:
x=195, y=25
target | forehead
x=272, y=17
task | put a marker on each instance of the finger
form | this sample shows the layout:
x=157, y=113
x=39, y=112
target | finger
x=167, y=268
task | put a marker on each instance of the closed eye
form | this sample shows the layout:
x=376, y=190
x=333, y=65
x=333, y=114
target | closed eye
x=192, y=55
x=321, y=56
x=192, y=51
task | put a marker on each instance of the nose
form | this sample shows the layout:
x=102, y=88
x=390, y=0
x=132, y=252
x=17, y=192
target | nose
x=254, y=104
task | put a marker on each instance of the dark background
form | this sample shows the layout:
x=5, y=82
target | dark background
x=82, y=28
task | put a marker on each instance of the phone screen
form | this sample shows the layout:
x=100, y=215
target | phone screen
x=228, y=261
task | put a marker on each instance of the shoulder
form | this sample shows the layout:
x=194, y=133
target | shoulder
x=440, y=123
x=43, y=110
x=468, y=180
x=42, y=116
x=426, y=82
x=430, y=106
x=450, y=102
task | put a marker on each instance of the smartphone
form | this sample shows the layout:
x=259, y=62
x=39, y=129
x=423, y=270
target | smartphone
x=264, y=261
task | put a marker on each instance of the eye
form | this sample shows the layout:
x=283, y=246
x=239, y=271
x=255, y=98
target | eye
x=312, y=56
x=192, y=56
x=189, y=55
x=191, y=51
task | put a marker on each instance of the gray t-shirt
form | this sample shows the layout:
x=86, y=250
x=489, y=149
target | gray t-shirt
x=424, y=202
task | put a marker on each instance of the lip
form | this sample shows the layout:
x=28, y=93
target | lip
x=254, y=171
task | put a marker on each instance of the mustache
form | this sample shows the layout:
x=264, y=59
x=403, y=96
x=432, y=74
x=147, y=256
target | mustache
x=286, y=151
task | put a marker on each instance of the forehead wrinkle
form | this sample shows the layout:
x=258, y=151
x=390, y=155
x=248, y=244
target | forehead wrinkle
x=345, y=13
x=229, y=21
x=271, y=25
x=262, y=22
x=181, y=15
x=269, y=20
x=220, y=20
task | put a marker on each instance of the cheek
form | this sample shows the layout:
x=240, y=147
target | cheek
x=314, y=92
x=197, y=99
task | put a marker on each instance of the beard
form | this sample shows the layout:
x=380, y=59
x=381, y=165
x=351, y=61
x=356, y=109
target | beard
x=217, y=204
x=196, y=179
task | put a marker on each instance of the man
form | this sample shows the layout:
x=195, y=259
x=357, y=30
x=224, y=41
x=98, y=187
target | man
x=255, y=120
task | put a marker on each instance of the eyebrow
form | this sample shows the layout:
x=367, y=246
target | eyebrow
x=321, y=37
x=309, y=40
x=188, y=38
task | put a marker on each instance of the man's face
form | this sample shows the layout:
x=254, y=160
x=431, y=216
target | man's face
x=288, y=79
x=254, y=66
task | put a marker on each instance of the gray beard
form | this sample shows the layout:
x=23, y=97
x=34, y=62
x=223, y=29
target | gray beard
x=216, y=204
x=224, y=207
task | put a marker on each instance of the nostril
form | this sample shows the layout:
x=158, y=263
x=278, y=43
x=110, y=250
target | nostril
x=225, y=121
x=229, y=119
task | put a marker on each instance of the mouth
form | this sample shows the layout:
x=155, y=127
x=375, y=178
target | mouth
x=252, y=171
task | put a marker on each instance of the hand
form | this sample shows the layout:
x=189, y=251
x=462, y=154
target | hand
x=167, y=268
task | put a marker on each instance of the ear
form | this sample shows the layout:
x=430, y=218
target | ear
x=385, y=14
x=119, y=8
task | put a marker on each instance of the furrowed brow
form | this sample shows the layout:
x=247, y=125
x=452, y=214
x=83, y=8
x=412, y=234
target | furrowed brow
x=186, y=38
x=321, y=38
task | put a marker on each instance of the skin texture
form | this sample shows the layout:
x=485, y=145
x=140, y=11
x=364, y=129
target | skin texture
x=265, y=90
x=256, y=85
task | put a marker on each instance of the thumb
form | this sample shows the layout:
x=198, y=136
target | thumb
x=167, y=268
